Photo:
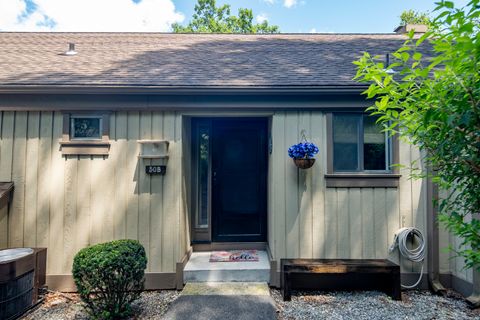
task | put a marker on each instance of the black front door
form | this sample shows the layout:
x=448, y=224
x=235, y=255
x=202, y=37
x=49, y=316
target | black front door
x=239, y=179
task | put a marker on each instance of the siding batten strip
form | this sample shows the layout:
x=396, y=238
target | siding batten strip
x=119, y=158
x=17, y=208
x=380, y=224
x=31, y=184
x=305, y=195
x=343, y=226
x=55, y=247
x=156, y=202
x=368, y=223
x=278, y=179
x=419, y=196
x=392, y=214
x=331, y=243
x=6, y=161
x=180, y=247
x=144, y=188
x=70, y=211
x=84, y=212
x=291, y=196
x=355, y=222
x=169, y=193
x=133, y=132
x=6, y=156
x=44, y=175
x=405, y=194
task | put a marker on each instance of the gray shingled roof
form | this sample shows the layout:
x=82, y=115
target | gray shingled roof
x=149, y=59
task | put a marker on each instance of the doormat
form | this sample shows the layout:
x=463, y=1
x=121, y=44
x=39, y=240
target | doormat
x=234, y=256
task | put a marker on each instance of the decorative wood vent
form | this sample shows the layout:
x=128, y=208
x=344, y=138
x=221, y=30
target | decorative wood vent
x=153, y=149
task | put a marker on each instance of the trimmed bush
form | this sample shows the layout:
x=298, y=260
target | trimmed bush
x=109, y=277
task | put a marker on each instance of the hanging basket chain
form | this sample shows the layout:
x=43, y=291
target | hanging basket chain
x=303, y=136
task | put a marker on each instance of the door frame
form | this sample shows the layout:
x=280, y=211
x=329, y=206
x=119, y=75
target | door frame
x=203, y=235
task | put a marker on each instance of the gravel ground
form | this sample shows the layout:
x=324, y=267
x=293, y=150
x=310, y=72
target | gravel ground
x=418, y=305
x=372, y=305
x=60, y=306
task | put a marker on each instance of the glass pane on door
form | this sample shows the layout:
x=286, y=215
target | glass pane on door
x=203, y=175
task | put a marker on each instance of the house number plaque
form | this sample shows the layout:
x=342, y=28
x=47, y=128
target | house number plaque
x=155, y=170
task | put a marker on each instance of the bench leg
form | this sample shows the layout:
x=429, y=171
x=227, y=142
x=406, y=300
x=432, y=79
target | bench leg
x=286, y=293
x=396, y=290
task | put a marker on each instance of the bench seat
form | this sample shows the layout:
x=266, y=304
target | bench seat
x=340, y=274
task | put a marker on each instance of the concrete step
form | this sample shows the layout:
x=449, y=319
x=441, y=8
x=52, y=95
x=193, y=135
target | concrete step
x=223, y=301
x=200, y=269
x=226, y=289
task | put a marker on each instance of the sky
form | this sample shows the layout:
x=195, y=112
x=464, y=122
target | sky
x=292, y=16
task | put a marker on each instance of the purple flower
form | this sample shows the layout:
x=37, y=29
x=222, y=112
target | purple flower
x=303, y=150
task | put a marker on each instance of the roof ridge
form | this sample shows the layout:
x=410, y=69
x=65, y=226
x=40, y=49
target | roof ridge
x=199, y=34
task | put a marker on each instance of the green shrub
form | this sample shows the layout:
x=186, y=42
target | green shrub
x=109, y=277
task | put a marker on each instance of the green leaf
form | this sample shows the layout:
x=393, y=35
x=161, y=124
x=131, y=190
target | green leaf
x=383, y=102
x=405, y=56
x=448, y=4
x=387, y=81
x=421, y=39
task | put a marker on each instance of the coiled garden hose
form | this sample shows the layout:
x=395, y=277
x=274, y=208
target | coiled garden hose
x=415, y=254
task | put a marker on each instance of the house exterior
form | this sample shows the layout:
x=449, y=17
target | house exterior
x=79, y=128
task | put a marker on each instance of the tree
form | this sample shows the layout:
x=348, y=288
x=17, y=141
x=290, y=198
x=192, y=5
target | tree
x=413, y=17
x=434, y=102
x=208, y=18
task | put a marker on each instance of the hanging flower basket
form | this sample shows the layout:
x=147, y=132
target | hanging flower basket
x=303, y=153
x=304, y=163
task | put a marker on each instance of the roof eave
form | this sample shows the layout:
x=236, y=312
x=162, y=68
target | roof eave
x=183, y=90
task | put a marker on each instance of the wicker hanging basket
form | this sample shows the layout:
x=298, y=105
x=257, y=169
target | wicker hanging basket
x=304, y=163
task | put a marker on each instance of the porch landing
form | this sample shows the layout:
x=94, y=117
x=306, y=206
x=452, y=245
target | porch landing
x=200, y=269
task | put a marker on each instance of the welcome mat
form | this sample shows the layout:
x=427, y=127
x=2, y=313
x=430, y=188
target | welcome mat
x=234, y=256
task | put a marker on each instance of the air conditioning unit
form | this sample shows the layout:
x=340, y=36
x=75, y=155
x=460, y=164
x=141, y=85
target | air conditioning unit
x=22, y=276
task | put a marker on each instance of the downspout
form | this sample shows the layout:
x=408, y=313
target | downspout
x=433, y=258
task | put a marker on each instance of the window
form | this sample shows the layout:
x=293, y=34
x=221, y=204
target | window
x=85, y=133
x=359, y=144
x=360, y=154
x=86, y=127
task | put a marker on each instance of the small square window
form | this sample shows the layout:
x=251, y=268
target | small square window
x=86, y=133
x=86, y=127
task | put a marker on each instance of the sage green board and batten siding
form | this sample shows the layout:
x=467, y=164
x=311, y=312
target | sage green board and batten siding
x=67, y=203
x=309, y=220
x=78, y=201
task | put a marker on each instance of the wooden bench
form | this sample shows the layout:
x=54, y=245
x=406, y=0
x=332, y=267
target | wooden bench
x=340, y=274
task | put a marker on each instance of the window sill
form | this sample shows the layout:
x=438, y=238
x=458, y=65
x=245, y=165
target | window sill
x=362, y=180
x=85, y=147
